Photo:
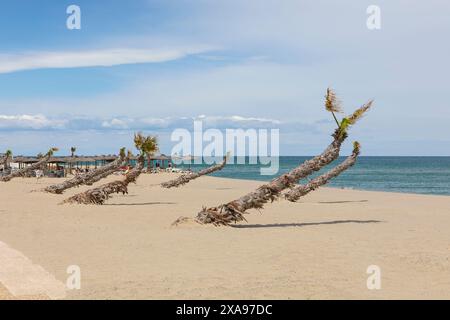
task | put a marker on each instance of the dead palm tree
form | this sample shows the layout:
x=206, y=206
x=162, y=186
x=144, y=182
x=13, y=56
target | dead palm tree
x=100, y=194
x=234, y=211
x=301, y=190
x=35, y=166
x=107, y=173
x=186, y=178
x=86, y=177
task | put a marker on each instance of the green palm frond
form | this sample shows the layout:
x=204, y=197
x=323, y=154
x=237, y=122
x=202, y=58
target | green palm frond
x=145, y=144
x=51, y=151
x=356, y=147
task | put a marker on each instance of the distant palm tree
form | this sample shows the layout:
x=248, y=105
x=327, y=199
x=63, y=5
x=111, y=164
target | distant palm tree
x=35, y=166
x=72, y=151
x=145, y=145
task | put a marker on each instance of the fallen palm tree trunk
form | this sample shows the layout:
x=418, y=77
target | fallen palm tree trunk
x=234, y=211
x=299, y=191
x=26, y=171
x=87, y=177
x=104, y=175
x=102, y=193
x=186, y=178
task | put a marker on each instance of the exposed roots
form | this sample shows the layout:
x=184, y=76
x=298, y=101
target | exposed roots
x=220, y=216
x=99, y=195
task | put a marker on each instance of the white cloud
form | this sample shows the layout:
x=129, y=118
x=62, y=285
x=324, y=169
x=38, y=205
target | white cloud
x=26, y=121
x=93, y=58
x=41, y=122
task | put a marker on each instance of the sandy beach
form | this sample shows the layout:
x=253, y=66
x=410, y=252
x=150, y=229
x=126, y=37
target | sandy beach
x=319, y=248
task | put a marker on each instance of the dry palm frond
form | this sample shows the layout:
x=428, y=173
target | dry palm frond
x=332, y=104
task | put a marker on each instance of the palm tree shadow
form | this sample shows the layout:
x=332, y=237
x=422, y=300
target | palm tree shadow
x=337, y=202
x=138, y=204
x=305, y=224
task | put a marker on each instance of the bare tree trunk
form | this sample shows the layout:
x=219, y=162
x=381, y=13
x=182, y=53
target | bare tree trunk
x=89, y=176
x=301, y=190
x=25, y=171
x=186, y=178
x=104, y=175
x=234, y=211
x=6, y=160
x=100, y=194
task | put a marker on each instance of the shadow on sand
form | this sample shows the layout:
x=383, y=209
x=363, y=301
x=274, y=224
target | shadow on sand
x=138, y=204
x=306, y=224
x=336, y=202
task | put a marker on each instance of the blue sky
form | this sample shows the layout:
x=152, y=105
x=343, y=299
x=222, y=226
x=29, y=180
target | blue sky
x=156, y=65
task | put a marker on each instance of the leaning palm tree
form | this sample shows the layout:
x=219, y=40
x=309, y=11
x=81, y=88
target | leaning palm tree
x=86, y=177
x=107, y=173
x=26, y=171
x=302, y=190
x=234, y=211
x=186, y=178
x=99, y=195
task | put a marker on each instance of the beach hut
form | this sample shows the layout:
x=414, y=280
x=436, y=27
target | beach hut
x=160, y=161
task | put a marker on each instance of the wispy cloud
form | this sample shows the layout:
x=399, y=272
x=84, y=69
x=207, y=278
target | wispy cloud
x=43, y=123
x=93, y=58
x=25, y=121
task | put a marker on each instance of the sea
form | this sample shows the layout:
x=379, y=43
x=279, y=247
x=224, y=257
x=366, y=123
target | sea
x=422, y=175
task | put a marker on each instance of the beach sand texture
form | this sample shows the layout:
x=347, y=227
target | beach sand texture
x=319, y=248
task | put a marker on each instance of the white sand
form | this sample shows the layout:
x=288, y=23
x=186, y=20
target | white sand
x=319, y=248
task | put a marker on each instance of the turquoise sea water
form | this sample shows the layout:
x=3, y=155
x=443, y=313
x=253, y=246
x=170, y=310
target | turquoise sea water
x=426, y=175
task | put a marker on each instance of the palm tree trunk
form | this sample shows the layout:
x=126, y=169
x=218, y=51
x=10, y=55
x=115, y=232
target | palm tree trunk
x=89, y=176
x=25, y=171
x=186, y=178
x=103, y=175
x=299, y=191
x=5, y=161
x=100, y=194
x=234, y=211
